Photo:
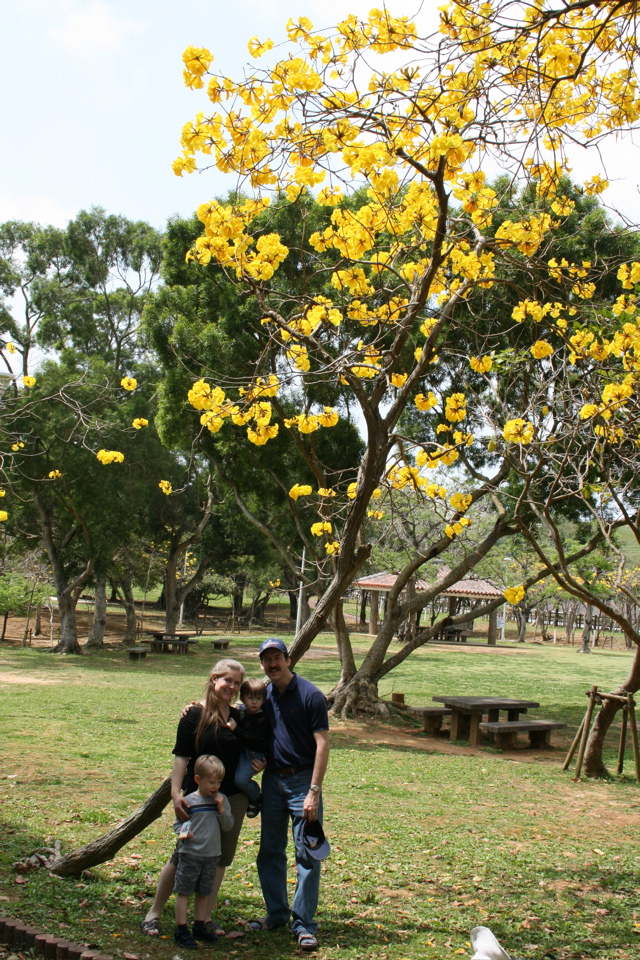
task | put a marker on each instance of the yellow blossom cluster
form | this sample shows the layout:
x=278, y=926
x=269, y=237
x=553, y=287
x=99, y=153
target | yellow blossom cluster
x=129, y=383
x=518, y=431
x=300, y=490
x=54, y=475
x=166, y=487
x=514, y=595
x=139, y=423
x=110, y=456
x=29, y=381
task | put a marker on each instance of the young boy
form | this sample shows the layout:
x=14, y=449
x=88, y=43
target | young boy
x=253, y=732
x=199, y=849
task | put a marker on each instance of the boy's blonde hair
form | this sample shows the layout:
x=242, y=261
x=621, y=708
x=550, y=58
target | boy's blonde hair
x=209, y=766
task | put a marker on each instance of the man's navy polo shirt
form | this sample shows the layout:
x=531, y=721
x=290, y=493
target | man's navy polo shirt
x=295, y=715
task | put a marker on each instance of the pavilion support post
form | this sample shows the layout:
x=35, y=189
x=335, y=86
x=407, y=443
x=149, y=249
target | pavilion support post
x=373, y=616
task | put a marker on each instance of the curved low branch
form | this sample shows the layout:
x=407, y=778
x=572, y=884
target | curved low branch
x=106, y=846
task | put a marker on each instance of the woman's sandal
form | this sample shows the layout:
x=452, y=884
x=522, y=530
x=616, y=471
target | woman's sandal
x=151, y=928
x=307, y=942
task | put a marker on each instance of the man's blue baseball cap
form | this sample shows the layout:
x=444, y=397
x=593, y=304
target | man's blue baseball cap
x=273, y=643
x=314, y=840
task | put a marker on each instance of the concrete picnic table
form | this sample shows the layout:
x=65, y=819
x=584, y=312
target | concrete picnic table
x=467, y=712
x=170, y=642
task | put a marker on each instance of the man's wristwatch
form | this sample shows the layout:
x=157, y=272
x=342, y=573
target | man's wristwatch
x=314, y=788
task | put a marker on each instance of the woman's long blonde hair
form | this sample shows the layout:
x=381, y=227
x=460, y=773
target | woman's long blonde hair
x=210, y=711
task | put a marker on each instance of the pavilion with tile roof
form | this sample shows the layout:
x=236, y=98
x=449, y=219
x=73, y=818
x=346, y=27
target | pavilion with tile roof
x=472, y=589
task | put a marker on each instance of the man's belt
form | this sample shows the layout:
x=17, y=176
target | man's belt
x=288, y=771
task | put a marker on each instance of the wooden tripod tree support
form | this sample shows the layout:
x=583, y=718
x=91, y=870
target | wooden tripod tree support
x=628, y=719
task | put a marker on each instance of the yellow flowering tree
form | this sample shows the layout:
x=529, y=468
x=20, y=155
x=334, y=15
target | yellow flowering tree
x=414, y=237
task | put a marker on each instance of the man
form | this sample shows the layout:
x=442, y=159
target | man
x=291, y=790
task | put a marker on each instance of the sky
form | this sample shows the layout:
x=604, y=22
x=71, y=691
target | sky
x=94, y=101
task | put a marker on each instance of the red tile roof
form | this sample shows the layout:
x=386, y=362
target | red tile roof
x=480, y=589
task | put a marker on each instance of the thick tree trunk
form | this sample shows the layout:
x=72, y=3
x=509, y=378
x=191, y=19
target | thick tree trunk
x=106, y=846
x=586, y=630
x=130, y=611
x=593, y=763
x=293, y=605
x=358, y=694
x=343, y=642
x=68, y=642
x=522, y=617
x=96, y=637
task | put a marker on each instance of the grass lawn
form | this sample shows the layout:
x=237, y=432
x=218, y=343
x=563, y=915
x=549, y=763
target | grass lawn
x=428, y=838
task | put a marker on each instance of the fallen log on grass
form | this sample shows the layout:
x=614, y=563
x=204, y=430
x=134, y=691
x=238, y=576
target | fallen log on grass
x=106, y=846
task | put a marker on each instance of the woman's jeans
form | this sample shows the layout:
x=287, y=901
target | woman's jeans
x=282, y=801
x=244, y=774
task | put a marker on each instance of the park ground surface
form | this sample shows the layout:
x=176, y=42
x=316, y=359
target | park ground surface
x=428, y=838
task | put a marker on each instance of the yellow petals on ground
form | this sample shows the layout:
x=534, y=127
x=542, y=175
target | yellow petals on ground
x=54, y=475
x=129, y=383
x=514, y=595
x=518, y=431
x=29, y=381
x=139, y=422
x=481, y=364
x=323, y=526
x=300, y=490
x=110, y=456
x=541, y=349
x=166, y=487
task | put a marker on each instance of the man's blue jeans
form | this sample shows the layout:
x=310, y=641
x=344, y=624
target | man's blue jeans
x=282, y=801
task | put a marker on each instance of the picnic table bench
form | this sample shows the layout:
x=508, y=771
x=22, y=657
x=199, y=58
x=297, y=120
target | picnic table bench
x=432, y=717
x=138, y=653
x=506, y=734
x=467, y=712
x=170, y=642
x=221, y=643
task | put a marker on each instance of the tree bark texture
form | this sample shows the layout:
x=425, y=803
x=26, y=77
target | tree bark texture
x=586, y=630
x=593, y=763
x=98, y=629
x=106, y=846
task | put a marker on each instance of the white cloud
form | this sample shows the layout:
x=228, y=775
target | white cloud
x=33, y=207
x=92, y=28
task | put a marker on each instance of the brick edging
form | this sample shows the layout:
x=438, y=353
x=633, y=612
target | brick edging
x=21, y=937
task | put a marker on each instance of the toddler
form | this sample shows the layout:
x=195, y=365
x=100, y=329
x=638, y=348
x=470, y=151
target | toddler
x=252, y=730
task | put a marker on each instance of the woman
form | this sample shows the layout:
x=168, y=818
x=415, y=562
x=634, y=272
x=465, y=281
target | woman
x=202, y=730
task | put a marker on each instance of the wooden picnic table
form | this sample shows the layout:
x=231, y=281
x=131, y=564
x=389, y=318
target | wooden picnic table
x=467, y=712
x=170, y=642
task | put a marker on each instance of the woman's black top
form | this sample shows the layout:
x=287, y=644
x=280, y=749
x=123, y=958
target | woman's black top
x=218, y=741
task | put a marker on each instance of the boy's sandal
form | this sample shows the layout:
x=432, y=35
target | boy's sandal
x=151, y=928
x=307, y=942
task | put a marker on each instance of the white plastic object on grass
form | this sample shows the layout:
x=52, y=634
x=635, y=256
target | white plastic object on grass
x=486, y=946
